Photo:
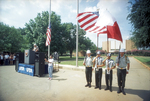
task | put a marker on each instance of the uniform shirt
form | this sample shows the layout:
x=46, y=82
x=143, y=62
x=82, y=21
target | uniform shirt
x=88, y=61
x=6, y=56
x=50, y=60
x=98, y=61
x=36, y=48
x=109, y=63
x=123, y=62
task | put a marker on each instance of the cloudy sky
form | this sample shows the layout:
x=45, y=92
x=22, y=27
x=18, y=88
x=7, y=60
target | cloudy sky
x=18, y=12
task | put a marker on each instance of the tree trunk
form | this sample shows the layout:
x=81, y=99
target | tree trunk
x=70, y=53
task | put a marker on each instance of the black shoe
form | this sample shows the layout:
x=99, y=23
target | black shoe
x=123, y=91
x=110, y=89
x=86, y=85
x=106, y=88
x=119, y=90
x=89, y=85
x=96, y=87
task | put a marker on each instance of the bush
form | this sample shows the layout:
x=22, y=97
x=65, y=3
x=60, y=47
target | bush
x=141, y=52
x=116, y=52
x=128, y=52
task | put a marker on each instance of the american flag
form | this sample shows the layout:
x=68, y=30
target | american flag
x=48, y=33
x=87, y=21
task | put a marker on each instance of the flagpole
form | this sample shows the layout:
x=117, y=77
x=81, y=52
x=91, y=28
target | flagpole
x=97, y=41
x=49, y=23
x=107, y=45
x=77, y=36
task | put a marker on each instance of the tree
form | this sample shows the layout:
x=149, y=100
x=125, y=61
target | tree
x=140, y=19
x=36, y=32
x=11, y=39
x=69, y=36
x=85, y=43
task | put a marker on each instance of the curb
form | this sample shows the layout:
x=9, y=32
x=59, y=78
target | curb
x=80, y=68
x=142, y=63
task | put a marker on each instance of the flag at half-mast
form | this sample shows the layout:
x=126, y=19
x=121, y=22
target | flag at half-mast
x=48, y=33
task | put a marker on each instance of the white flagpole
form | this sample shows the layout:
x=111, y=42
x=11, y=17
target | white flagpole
x=50, y=25
x=77, y=36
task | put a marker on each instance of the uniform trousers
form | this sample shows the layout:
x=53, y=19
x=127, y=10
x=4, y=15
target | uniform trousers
x=108, y=78
x=121, y=74
x=98, y=77
x=88, y=73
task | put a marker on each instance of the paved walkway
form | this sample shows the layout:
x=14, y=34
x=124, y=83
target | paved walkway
x=68, y=85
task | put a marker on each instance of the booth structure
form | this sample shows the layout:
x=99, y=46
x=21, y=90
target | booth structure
x=33, y=63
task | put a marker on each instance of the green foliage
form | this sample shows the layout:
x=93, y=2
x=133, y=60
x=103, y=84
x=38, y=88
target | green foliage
x=11, y=39
x=85, y=43
x=36, y=32
x=140, y=20
x=69, y=37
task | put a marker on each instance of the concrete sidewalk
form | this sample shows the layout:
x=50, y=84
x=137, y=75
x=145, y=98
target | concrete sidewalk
x=68, y=85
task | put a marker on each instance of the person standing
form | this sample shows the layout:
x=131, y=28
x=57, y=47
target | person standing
x=14, y=58
x=6, y=57
x=2, y=59
x=98, y=70
x=50, y=66
x=88, y=70
x=122, y=61
x=110, y=64
x=36, y=48
x=11, y=59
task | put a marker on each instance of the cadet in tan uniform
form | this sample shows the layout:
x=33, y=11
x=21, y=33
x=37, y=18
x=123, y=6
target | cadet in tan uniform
x=110, y=64
x=88, y=70
x=122, y=61
x=98, y=70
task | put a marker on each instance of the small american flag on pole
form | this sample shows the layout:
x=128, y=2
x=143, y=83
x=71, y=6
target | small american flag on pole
x=48, y=33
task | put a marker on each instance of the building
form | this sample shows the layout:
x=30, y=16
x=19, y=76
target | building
x=128, y=45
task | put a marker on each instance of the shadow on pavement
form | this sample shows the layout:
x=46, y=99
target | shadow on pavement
x=144, y=94
x=59, y=79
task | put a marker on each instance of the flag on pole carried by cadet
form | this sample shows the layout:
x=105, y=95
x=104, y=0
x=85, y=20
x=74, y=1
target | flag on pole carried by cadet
x=112, y=28
x=103, y=23
x=87, y=21
x=48, y=33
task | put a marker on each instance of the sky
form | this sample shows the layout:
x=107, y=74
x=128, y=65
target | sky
x=18, y=12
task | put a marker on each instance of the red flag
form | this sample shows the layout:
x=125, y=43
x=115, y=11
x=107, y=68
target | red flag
x=114, y=32
x=48, y=33
x=109, y=22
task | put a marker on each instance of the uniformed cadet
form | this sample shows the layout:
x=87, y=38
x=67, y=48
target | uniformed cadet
x=88, y=70
x=122, y=61
x=110, y=64
x=36, y=48
x=98, y=70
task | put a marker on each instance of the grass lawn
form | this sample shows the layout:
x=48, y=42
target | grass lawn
x=143, y=59
x=66, y=60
